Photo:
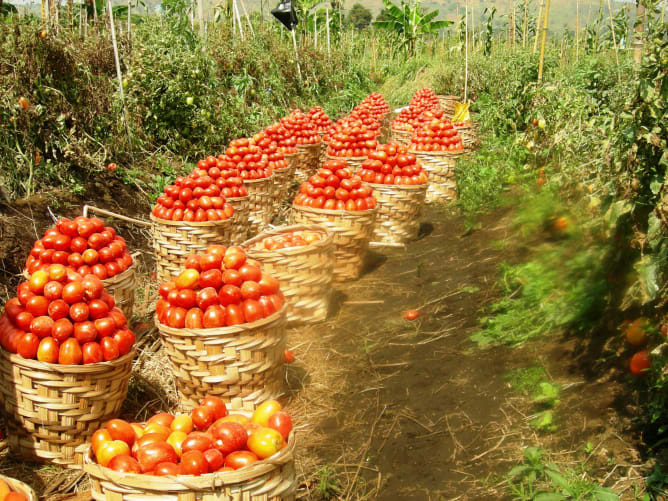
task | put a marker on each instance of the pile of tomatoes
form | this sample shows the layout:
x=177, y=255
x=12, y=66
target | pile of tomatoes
x=301, y=128
x=6, y=494
x=197, y=197
x=375, y=104
x=217, y=289
x=248, y=158
x=205, y=441
x=436, y=134
x=422, y=101
x=60, y=317
x=351, y=139
x=392, y=164
x=334, y=187
x=287, y=144
x=320, y=119
x=269, y=147
x=225, y=175
x=83, y=244
x=289, y=239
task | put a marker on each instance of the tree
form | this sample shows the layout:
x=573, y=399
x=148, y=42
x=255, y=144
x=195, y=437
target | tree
x=409, y=23
x=359, y=16
x=383, y=15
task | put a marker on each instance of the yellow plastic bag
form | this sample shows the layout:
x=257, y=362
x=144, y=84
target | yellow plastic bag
x=461, y=112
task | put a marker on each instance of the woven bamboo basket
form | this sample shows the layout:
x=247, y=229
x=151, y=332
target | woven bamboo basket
x=351, y=232
x=242, y=364
x=283, y=179
x=241, y=225
x=305, y=273
x=261, y=194
x=272, y=479
x=174, y=241
x=355, y=163
x=51, y=409
x=402, y=137
x=440, y=166
x=447, y=104
x=399, y=209
x=309, y=160
x=20, y=487
x=469, y=134
x=323, y=152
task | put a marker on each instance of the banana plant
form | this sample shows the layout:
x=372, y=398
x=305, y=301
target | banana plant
x=410, y=23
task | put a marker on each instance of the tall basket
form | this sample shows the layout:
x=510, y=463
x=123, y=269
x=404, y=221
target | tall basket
x=355, y=163
x=242, y=224
x=399, y=209
x=283, y=179
x=440, y=166
x=402, y=137
x=241, y=364
x=20, y=487
x=174, y=241
x=51, y=409
x=351, y=232
x=261, y=193
x=448, y=103
x=305, y=272
x=469, y=134
x=273, y=479
x=309, y=160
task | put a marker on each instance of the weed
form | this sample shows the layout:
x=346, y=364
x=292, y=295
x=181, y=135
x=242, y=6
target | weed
x=532, y=382
x=328, y=486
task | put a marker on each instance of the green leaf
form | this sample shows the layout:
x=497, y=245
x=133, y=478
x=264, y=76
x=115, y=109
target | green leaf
x=549, y=496
x=533, y=454
x=518, y=470
x=647, y=273
x=655, y=186
x=604, y=494
x=557, y=478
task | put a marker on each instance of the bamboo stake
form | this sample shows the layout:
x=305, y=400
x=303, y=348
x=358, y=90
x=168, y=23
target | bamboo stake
x=466, y=54
x=117, y=60
x=129, y=22
x=614, y=41
x=294, y=43
x=514, y=24
x=235, y=7
x=525, y=23
x=542, y=43
x=250, y=25
x=538, y=21
x=638, y=31
x=200, y=17
x=329, y=50
x=472, y=27
x=315, y=29
x=577, y=30
x=598, y=25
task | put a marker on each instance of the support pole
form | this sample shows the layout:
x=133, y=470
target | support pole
x=614, y=40
x=466, y=54
x=639, y=29
x=236, y=12
x=117, y=60
x=315, y=29
x=542, y=43
x=577, y=30
x=200, y=17
x=538, y=21
x=329, y=50
x=525, y=23
x=250, y=25
x=294, y=44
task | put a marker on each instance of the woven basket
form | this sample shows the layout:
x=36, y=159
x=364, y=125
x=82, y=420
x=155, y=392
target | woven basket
x=305, y=273
x=52, y=409
x=447, y=104
x=469, y=135
x=399, y=208
x=261, y=194
x=402, y=137
x=20, y=487
x=174, y=241
x=440, y=166
x=272, y=479
x=241, y=225
x=283, y=180
x=309, y=160
x=242, y=364
x=355, y=163
x=351, y=232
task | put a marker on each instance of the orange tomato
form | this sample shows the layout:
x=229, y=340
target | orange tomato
x=411, y=314
x=188, y=279
x=176, y=439
x=236, y=418
x=158, y=429
x=183, y=423
x=99, y=437
x=264, y=411
x=265, y=442
x=108, y=450
x=4, y=489
x=636, y=332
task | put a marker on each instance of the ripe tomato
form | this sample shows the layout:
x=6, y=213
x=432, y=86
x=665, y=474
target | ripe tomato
x=214, y=316
x=228, y=435
x=108, y=450
x=229, y=294
x=42, y=326
x=411, y=314
x=166, y=468
x=234, y=258
x=91, y=353
x=239, y=459
x=264, y=411
x=194, y=463
x=265, y=442
x=188, y=279
x=281, y=422
x=640, y=363
x=27, y=345
x=99, y=437
x=176, y=439
x=216, y=405
x=289, y=356
x=125, y=339
x=182, y=422
x=207, y=297
x=635, y=333
x=202, y=417
x=70, y=352
x=47, y=350
x=79, y=312
x=252, y=310
x=162, y=418
x=250, y=290
x=124, y=463
x=121, y=430
x=211, y=278
x=37, y=306
x=234, y=315
x=194, y=319
x=214, y=458
x=197, y=441
x=151, y=454
x=268, y=285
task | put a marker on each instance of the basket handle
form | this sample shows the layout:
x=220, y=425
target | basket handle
x=104, y=212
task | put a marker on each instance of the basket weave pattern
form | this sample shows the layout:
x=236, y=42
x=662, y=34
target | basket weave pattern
x=351, y=232
x=242, y=364
x=399, y=208
x=261, y=194
x=174, y=241
x=309, y=160
x=440, y=166
x=20, y=487
x=469, y=135
x=447, y=103
x=283, y=180
x=273, y=479
x=122, y=287
x=402, y=137
x=241, y=224
x=305, y=273
x=52, y=409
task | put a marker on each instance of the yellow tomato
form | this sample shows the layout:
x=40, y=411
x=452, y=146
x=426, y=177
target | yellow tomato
x=236, y=418
x=158, y=429
x=188, y=279
x=636, y=333
x=99, y=437
x=264, y=411
x=4, y=489
x=182, y=422
x=176, y=439
x=108, y=450
x=265, y=442
x=139, y=430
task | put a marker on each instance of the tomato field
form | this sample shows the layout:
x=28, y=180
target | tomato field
x=401, y=258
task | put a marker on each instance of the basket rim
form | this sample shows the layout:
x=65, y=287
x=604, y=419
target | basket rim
x=192, y=224
x=330, y=157
x=401, y=131
x=407, y=187
x=99, y=367
x=233, y=329
x=448, y=96
x=334, y=212
x=190, y=482
x=446, y=153
x=290, y=154
x=15, y=484
x=309, y=145
x=264, y=253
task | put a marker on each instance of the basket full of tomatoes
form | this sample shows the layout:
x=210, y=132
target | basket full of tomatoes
x=301, y=258
x=222, y=325
x=337, y=200
x=305, y=135
x=88, y=246
x=468, y=131
x=65, y=363
x=15, y=490
x=399, y=184
x=211, y=453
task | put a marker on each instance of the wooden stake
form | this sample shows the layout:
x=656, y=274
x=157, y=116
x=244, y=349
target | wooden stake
x=117, y=60
x=466, y=53
x=315, y=29
x=577, y=30
x=129, y=22
x=614, y=41
x=598, y=25
x=250, y=25
x=542, y=43
x=236, y=12
x=538, y=21
x=200, y=17
x=329, y=50
x=639, y=29
x=525, y=23
x=294, y=43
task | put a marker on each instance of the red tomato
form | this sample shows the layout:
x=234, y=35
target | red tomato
x=97, y=309
x=232, y=277
x=216, y=405
x=62, y=329
x=197, y=441
x=85, y=332
x=289, y=356
x=108, y=450
x=73, y=292
x=234, y=315
x=252, y=310
x=640, y=363
x=91, y=353
x=214, y=317
x=47, y=351
x=411, y=314
x=124, y=463
x=211, y=278
x=229, y=436
x=70, y=352
x=79, y=312
x=229, y=294
x=42, y=326
x=167, y=468
x=207, y=297
x=250, y=272
x=281, y=422
x=214, y=459
x=37, y=306
x=194, y=319
x=28, y=345
x=239, y=459
x=250, y=290
x=194, y=463
x=151, y=454
x=125, y=339
x=109, y=349
x=202, y=417
x=121, y=430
